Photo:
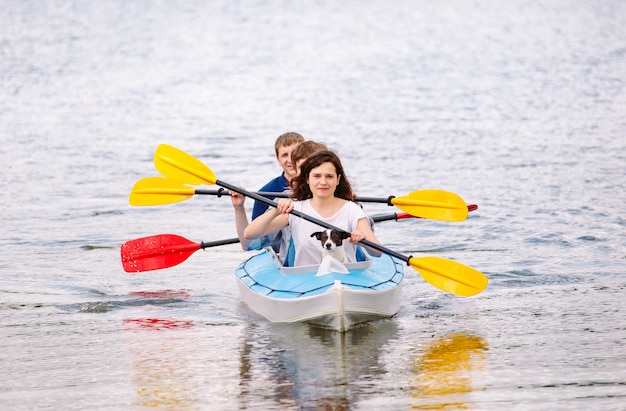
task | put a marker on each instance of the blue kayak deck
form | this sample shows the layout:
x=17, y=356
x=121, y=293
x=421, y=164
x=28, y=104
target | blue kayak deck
x=264, y=275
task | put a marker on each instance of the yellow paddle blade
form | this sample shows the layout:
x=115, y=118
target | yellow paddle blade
x=450, y=276
x=433, y=204
x=183, y=167
x=159, y=190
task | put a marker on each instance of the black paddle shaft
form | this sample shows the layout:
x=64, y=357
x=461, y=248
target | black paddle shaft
x=269, y=194
x=204, y=244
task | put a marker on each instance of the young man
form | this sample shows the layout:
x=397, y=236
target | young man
x=283, y=147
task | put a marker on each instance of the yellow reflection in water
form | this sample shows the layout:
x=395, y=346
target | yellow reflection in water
x=444, y=371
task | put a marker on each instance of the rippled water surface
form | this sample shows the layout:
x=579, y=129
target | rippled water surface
x=517, y=106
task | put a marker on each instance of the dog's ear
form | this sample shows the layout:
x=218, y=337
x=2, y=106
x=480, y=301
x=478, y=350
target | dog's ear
x=345, y=235
x=317, y=235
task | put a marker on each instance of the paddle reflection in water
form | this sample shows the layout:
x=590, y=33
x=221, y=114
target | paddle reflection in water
x=172, y=354
x=302, y=366
x=445, y=371
x=159, y=381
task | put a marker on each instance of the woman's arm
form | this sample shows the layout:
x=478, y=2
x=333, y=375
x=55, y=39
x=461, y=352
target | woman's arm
x=271, y=221
x=364, y=232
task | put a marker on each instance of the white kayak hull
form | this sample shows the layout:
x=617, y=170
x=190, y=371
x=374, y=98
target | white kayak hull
x=370, y=290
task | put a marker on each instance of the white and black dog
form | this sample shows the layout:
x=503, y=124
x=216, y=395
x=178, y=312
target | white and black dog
x=332, y=243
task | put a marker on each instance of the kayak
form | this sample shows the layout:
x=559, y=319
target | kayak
x=332, y=295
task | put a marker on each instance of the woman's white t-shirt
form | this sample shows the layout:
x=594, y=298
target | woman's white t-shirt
x=309, y=249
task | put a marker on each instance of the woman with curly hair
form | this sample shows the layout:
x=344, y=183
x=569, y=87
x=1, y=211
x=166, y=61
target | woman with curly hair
x=322, y=190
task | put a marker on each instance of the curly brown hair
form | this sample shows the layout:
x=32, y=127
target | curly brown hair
x=300, y=187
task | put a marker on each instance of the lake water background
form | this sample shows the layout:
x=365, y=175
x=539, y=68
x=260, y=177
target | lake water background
x=519, y=107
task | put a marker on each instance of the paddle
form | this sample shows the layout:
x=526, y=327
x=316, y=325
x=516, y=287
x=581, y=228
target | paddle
x=161, y=190
x=446, y=275
x=167, y=250
x=161, y=251
x=432, y=204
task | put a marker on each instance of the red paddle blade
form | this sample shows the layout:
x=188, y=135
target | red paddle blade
x=156, y=252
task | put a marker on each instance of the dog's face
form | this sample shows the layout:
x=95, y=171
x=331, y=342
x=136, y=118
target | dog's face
x=331, y=239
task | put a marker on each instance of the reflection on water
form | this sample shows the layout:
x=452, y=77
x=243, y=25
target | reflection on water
x=445, y=368
x=162, y=365
x=298, y=366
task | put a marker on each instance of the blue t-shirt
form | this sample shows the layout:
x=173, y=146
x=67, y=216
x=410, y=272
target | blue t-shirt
x=277, y=185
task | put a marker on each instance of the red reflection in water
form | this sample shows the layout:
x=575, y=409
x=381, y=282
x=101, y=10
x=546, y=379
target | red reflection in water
x=156, y=323
x=165, y=294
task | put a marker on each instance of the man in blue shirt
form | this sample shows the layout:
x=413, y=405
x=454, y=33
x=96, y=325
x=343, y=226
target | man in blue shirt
x=283, y=147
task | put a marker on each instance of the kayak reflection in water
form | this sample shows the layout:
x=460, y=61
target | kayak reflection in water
x=301, y=366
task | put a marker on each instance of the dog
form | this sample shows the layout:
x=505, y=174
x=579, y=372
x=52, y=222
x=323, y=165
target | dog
x=332, y=243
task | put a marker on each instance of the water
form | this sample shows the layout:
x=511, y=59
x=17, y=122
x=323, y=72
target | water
x=518, y=107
